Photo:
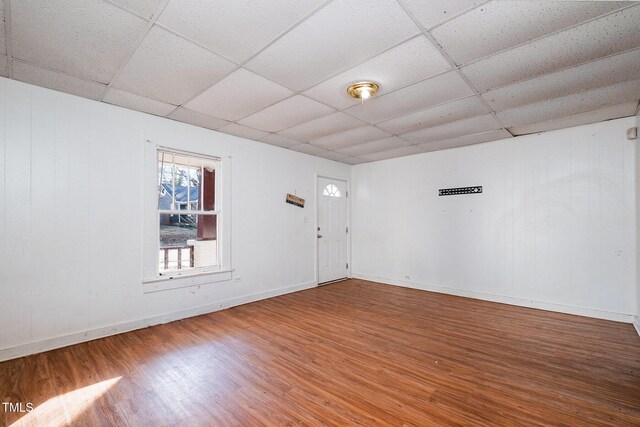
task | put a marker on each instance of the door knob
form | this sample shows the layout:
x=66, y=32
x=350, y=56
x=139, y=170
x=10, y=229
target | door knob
x=319, y=236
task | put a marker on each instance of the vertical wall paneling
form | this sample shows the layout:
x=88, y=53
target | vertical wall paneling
x=17, y=215
x=551, y=228
x=3, y=168
x=42, y=215
x=72, y=219
x=637, y=194
x=4, y=249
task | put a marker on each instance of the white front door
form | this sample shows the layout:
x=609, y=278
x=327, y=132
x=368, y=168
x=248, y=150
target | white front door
x=332, y=230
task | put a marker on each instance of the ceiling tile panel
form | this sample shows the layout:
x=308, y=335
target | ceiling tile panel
x=187, y=116
x=450, y=130
x=354, y=161
x=599, y=115
x=500, y=25
x=238, y=95
x=375, y=146
x=243, y=131
x=601, y=37
x=168, y=68
x=461, y=141
x=410, y=62
x=445, y=113
x=88, y=39
x=136, y=102
x=279, y=140
x=433, y=12
x=393, y=153
x=603, y=72
x=143, y=8
x=351, y=137
x=57, y=81
x=285, y=114
x=311, y=149
x=343, y=158
x=540, y=64
x=571, y=104
x=337, y=37
x=333, y=123
x=428, y=93
x=235, y=29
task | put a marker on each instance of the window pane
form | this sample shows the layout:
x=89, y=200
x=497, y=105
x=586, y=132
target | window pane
x=182, y=189
x=194, y=184
x=331, y=191
x=186, y=182
x=165, y=179
x=187, y=242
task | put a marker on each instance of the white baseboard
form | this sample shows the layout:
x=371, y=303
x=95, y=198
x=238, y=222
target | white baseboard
x=561, y=308
x=79, y=337
x=636, y=323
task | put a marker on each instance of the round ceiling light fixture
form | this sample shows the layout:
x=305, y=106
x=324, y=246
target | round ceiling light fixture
x=363, y=90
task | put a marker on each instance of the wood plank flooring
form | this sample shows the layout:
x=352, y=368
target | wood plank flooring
x=349, y=353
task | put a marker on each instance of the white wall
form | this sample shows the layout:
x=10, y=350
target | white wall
x=71, y=220
x=636, y=142
x=554, y=228
x=551, y=229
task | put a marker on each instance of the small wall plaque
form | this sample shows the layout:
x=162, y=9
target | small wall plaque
x=460, y=190
x=295, y=200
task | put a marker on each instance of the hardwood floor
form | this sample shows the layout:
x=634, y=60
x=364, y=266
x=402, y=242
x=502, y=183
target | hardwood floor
x=349, y=353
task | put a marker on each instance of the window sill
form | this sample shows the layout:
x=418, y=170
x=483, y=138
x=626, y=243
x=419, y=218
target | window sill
x=185, y=280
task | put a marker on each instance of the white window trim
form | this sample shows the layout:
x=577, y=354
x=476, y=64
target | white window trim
x=165, y=283
x=151, y=280
x=218, y=213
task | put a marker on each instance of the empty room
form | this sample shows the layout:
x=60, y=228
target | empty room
x=319, y=212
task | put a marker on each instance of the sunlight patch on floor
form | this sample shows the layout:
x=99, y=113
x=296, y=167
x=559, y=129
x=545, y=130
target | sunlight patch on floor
x=62, y=409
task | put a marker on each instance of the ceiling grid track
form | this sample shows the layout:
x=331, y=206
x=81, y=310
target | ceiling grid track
x=131, y=11
x=301, y=92
x=569, y=67
x=457, y=15
x=137, y=44
x=424, y=32
x=427, y=34
x=288, y=46
x=454, y=66
x=534, y=39
x=242, y=64
x=54, y=70
x=343, y=110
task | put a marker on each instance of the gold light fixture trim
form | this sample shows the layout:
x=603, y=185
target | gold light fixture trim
x=363, y=90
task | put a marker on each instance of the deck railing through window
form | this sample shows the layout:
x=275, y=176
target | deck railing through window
x=176, y=257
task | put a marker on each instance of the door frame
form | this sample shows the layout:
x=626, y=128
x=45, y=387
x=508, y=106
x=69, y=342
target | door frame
x=316, y=219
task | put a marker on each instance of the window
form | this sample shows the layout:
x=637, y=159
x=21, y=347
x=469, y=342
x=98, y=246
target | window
x=331, y=191
x=188, y=213
x=186, y=206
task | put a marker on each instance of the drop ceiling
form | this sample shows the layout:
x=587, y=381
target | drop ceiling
x=451, y=73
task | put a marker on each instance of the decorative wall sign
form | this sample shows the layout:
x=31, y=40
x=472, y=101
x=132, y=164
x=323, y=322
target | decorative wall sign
x=460, y=190
x=295, y=200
